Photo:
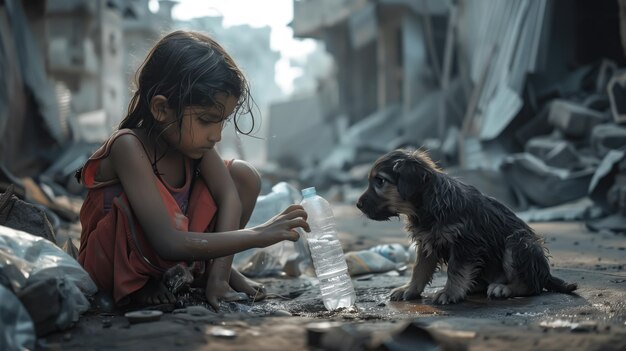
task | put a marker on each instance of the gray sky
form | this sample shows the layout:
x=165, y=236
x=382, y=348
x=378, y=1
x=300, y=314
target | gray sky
x=257, y=13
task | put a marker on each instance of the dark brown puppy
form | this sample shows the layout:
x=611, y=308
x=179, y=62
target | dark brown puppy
x=485, y=245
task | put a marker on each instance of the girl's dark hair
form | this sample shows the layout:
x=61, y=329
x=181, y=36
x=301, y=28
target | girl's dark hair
x=189, y=69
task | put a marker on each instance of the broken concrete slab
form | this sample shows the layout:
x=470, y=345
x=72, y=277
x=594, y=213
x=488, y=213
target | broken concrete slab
x=554, y=152
x=542, y=184
x=606, y=137
x=604, y=178
x=617, y=96
x=573, y=119
x=577, y=210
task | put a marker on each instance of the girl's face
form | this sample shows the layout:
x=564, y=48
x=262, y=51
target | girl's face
x=201, y=127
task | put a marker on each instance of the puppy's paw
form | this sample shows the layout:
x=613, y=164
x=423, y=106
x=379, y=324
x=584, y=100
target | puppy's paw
x=444, y=297
x=497, y=290
x=404, y=293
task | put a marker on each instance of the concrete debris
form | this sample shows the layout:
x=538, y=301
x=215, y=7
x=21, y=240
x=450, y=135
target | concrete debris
x=574, y=120
x=544, y=185
x=554, y=152
x=607, y=137
x=617, y=95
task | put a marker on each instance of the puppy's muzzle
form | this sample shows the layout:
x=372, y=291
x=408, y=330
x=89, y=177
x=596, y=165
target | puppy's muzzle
x=373, y=207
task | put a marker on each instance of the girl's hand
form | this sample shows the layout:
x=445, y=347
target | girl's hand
x=283, y=226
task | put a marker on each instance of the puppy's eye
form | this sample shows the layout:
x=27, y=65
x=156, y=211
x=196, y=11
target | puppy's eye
x=379, y=181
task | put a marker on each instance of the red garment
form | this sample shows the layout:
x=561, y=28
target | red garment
x=113, y=248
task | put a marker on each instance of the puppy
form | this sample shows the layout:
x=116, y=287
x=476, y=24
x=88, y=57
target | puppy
x=486, y=247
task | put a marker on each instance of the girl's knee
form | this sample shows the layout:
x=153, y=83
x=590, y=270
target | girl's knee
x=247, y=179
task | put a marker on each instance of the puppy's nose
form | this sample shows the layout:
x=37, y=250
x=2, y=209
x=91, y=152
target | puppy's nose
x=359, y=204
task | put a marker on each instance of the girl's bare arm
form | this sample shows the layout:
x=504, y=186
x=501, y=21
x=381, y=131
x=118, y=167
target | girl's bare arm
x=229, y=209
x=134, y=170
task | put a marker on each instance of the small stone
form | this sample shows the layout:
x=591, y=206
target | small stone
x=575, y=243
x=67, y=336
x=106, y=323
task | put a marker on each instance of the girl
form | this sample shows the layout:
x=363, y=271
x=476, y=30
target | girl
x=159, y=193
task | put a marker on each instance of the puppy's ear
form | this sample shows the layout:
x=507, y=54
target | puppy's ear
x=411, y=176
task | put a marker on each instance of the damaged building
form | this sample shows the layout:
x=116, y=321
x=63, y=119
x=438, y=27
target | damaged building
x=523, y=99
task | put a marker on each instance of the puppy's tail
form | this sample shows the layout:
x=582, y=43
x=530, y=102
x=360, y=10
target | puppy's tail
x=558, y=285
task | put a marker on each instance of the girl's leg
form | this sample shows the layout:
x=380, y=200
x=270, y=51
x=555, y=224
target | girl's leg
x=248, y=183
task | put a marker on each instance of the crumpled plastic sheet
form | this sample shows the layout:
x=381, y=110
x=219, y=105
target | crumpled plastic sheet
x=25, y=258
x=17, y=331
x=37, y=256
x=270, y=260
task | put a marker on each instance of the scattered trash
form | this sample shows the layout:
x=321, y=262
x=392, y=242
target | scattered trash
x=394, y=252
x=365, y=261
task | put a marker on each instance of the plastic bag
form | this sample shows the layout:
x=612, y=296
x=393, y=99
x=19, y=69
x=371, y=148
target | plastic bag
x=394, y=252
x=270, y=260
x=38, y=256
x=28, y=261
x=365, y=261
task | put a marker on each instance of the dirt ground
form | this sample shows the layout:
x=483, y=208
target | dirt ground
x=592, y=319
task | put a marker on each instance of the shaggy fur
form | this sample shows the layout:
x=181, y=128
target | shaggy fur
x=486, y=247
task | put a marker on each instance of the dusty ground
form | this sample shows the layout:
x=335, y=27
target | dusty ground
x=594, y=319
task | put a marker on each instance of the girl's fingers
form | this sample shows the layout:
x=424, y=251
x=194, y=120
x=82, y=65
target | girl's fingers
x=293, y=235
x=299, y=222
x=294, y=213
x=294, y=210
x=292, y=207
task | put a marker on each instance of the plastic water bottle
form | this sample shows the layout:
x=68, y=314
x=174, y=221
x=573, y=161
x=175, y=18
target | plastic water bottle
x=326, y=252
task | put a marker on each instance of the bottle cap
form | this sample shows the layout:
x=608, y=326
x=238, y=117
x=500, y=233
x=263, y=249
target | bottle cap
x=308, y=192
